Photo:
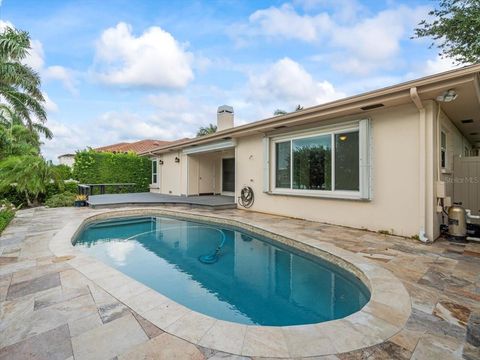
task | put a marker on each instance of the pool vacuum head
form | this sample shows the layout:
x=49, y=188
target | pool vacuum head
x=210, y=259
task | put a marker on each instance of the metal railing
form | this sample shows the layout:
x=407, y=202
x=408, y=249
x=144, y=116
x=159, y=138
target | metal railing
x=89, y=189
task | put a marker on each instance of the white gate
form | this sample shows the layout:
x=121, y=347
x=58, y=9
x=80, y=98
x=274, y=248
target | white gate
x=466, y=182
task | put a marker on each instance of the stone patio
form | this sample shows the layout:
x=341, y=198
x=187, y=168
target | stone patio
x=49, y=310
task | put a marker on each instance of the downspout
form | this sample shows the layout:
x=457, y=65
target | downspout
x=422, y=164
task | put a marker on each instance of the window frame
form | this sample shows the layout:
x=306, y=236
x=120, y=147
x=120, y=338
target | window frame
x=443, y=150
x=364, y=192
x=154, y=174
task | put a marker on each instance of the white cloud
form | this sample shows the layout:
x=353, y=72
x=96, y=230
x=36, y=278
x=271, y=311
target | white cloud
x=119, y=250
x=287, y=23
x=343, y=10
x=351, y=43
x=287, y=82
x=126, y=126
x=36, y=60
x=4, y=24
x=50, y=105
x=67, y=138
x=35, y=57
x=154, y=58
x=438, y=65
x=374, y=42
x=61, y=74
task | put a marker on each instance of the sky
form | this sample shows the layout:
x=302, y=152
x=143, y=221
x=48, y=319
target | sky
x=118, y=70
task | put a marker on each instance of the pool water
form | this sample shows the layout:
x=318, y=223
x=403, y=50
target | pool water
x=250, y=280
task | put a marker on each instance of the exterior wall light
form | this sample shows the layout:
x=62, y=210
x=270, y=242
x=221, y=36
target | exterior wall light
x=447, y=96
x=160, y=162
x=177, y=159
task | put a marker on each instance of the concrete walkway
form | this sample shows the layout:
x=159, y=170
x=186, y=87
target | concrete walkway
x=48, y=310
x=115, y=200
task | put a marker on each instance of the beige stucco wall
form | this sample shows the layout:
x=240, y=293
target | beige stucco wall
x=170, y=175
x=396, y=204
x=395, y=176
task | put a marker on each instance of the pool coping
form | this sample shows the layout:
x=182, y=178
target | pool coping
x=381, y=318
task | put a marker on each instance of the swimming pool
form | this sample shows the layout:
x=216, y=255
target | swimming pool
x=224, y=272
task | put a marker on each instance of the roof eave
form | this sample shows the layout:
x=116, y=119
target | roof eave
x=345, y=106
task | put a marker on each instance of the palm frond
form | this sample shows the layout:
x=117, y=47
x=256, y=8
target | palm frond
x=14, y=44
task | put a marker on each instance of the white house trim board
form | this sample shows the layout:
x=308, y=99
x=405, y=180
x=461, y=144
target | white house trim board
x=221, y=145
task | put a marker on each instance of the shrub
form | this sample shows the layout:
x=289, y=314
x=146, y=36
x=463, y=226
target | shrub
x=64, y=171
x=11, y=195
x=93, y=167
x=54, y=189
x=61, y=200
x=7, y=213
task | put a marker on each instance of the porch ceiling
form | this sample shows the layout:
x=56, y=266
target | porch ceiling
x=464, y=111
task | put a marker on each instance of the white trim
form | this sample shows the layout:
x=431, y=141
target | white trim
x=228, y=193
x=312, y=132
x=365, y=171
x=338, y=194
x=266, y=164
x=443, y=131
x=155, y=184
x=222, y=145
x=365, y=142
x=332, y=161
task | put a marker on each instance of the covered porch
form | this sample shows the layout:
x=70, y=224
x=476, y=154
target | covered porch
x=211, y=169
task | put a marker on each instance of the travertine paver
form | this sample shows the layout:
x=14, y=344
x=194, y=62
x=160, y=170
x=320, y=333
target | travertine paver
x=52, y=344
x=163, y=347
x=109, y=340
x=49, y=310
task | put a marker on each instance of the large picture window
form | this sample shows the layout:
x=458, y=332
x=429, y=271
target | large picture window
x=312, y=163
x=323, y=163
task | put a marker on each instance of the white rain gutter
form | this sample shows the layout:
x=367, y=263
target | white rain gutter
x=422, y=164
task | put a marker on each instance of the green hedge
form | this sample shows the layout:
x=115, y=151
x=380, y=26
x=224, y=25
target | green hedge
x=6, y=216
x=93, y=167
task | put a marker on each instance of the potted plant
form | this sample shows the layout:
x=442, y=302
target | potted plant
x=80, y=200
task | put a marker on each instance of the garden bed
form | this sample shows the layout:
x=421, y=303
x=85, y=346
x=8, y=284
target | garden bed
x=6, y=215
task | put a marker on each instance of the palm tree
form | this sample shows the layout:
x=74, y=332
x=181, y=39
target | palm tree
x=210, y=129
x=10, y=118
x=30, y=175
x=279, y=112
x=19, y=83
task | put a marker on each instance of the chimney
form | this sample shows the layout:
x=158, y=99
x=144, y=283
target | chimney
x=224, y=117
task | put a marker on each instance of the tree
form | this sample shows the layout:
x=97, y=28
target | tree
x=29, y=174
x=19, y=83
x=279, y=112
x=454, y=29
x=18, y=140
x=210, y=129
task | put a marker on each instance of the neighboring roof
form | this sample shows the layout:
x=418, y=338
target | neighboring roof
x=65, y=155
x=137, y=146
x=388, y=96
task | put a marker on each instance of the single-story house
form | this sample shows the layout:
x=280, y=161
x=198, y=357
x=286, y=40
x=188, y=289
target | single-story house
x=381, y=160
x=66, y=159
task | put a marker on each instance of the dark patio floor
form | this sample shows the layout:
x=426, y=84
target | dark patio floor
x=209, y=201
